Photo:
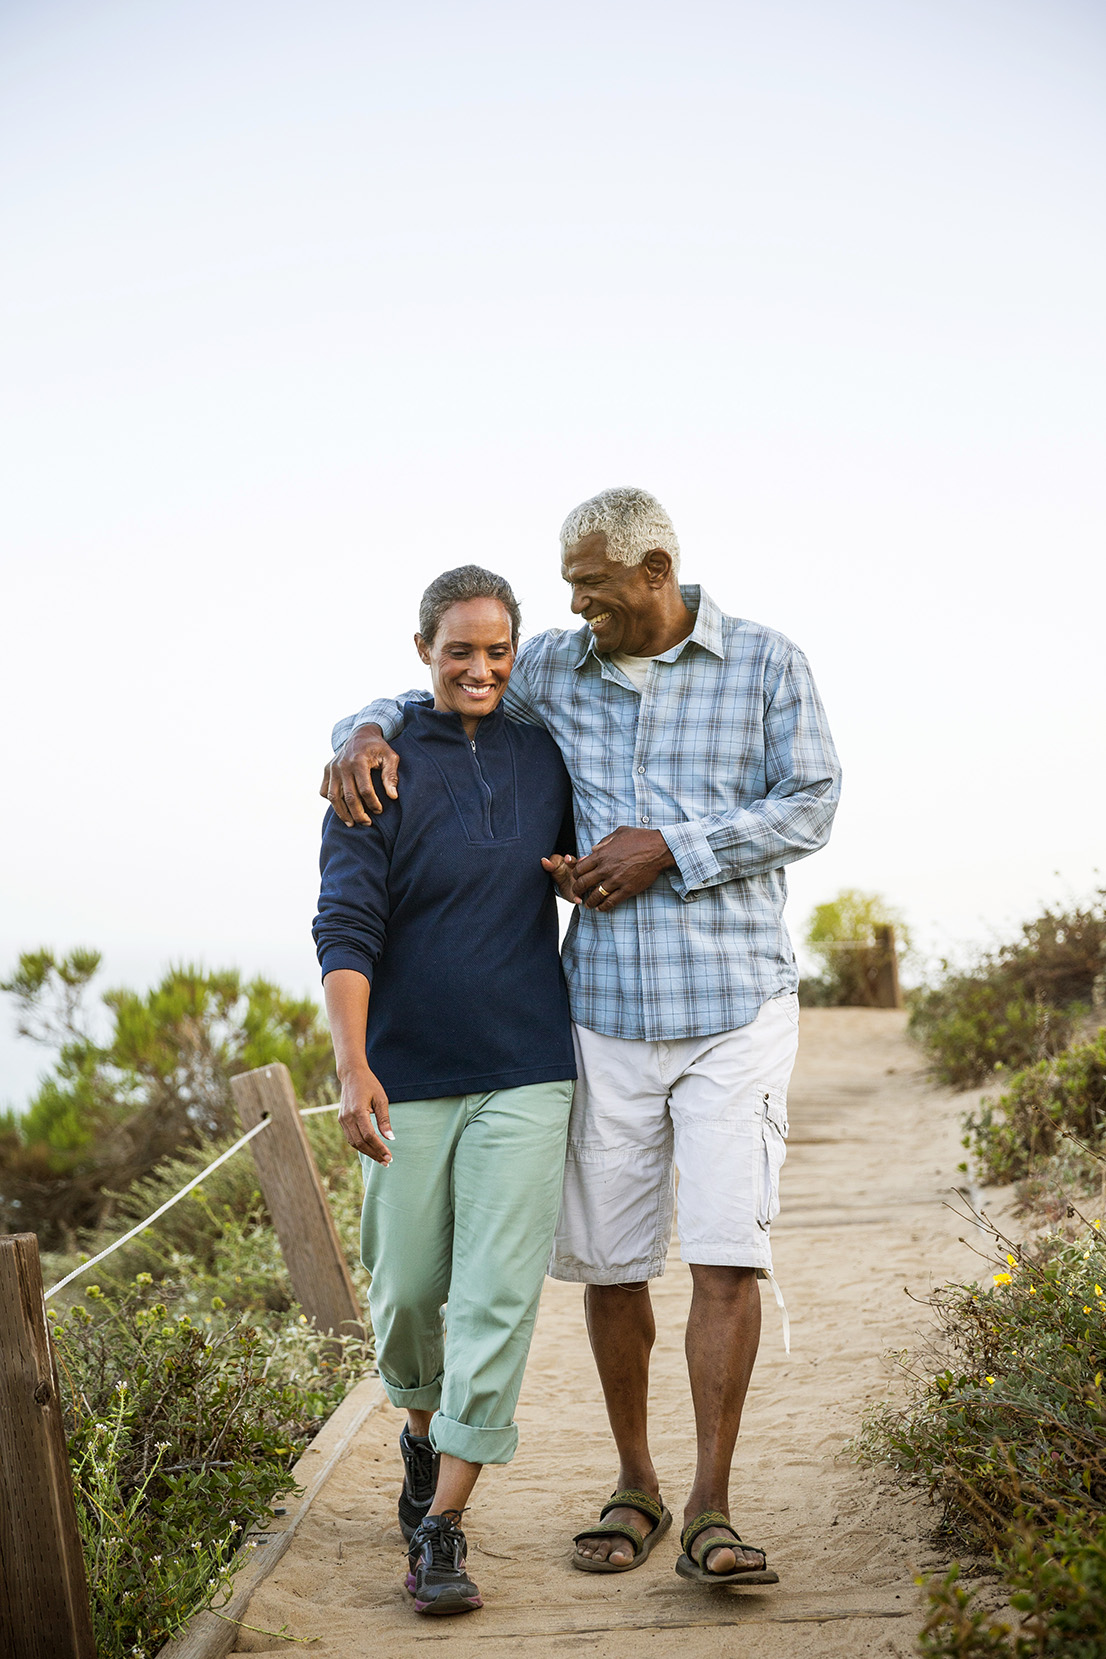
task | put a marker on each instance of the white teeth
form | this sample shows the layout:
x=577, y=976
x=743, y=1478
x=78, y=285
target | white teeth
x=594, y=621
x=477, y=690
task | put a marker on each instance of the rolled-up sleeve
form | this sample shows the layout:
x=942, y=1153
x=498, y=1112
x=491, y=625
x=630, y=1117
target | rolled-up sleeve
x=350, y=927
x=795, y=816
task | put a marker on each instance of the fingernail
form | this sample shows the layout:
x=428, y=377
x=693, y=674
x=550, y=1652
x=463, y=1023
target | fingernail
x=387, y=1133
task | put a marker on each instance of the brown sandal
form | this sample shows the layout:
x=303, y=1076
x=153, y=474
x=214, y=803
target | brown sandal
x=690, y=1563
x=643, y=1544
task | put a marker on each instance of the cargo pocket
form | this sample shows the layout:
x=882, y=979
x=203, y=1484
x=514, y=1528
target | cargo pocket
x=773, y=1153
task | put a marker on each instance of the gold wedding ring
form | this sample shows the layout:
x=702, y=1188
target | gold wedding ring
x=603, y=890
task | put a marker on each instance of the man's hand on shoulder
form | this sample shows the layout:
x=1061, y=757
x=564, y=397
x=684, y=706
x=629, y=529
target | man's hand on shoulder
x=620, y=866
x=348, y=779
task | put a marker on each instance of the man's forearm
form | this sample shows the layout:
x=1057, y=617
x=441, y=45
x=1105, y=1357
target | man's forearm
x=384, y=712
x=752, y=840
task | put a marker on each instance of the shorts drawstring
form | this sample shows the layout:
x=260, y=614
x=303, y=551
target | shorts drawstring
x=782, y=1305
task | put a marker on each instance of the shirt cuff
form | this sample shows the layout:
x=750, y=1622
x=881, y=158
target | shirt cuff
x=694, y=855
x=340, y=956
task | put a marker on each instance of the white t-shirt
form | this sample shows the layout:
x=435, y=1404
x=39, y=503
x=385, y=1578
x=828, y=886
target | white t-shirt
x=636, y=669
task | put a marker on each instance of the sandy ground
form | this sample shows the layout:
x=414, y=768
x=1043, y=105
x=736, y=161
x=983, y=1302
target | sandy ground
x=872, y=1161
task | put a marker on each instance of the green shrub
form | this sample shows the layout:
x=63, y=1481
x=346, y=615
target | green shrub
x=1010, y=1137
x=113, y=1110
x=1019, y=1003
x=1056, y=1582
x=182, y=1430
x=973, y=1027
x=218, y=1240
x=844, y=934
x=1009, y=1436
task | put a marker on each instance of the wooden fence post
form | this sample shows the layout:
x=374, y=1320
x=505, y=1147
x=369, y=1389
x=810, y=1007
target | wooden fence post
x=44, y=1611
x=888, y=992
x=297, y=1202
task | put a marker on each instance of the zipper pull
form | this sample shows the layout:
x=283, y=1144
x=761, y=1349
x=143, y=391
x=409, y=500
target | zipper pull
x=472, y=744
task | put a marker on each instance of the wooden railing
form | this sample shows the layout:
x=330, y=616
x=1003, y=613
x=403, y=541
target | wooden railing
x=44, y=1609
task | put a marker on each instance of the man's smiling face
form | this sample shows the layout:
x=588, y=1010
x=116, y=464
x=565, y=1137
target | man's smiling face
x=623, y=605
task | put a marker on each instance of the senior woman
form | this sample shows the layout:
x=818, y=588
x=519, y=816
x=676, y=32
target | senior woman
x=437, y=939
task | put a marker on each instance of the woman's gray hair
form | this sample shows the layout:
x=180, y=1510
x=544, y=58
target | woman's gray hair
x=633, y=522
x=454, y=587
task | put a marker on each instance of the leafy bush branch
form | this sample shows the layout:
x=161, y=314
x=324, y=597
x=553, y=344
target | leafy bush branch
x=182, y=1430
x=114, y=1108
x=1005, y=1428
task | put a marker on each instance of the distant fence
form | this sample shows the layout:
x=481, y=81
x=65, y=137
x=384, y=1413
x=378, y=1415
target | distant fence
x=877, y=967
x=44, y=1610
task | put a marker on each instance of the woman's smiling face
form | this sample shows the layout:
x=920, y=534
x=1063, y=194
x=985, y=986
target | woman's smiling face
x=470, y=659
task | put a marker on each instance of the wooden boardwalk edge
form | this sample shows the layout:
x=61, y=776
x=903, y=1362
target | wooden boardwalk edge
x=212, y=1635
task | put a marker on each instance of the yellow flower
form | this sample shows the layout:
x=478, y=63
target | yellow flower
x=1013, y=1260
x=1003, y=1278
x=1086, y=1309
x=1032, y=1290
x=990, y=1381
x=1098, y=1290
x=1097, y=1225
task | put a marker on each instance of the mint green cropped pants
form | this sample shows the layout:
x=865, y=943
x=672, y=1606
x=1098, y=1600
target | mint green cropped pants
x=464, y=1215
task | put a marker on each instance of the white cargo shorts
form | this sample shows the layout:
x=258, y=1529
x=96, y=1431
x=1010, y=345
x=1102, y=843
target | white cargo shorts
x=712, y=1110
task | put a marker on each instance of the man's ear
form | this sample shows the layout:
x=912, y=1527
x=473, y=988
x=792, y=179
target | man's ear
x=658, y=567
x=423, y=649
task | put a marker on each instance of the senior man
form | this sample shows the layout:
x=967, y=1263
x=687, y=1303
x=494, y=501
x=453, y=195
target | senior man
x=701, y=765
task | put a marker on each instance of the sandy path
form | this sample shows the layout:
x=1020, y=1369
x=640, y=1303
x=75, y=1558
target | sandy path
x=873, y=1154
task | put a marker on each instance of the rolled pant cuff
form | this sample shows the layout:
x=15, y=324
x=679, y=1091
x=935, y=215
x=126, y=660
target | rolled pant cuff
x=426, y=1398
x=472, y=1445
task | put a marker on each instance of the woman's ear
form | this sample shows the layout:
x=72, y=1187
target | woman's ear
x=422, y=648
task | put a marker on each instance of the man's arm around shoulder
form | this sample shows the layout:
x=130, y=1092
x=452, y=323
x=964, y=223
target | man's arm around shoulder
x=361, y=745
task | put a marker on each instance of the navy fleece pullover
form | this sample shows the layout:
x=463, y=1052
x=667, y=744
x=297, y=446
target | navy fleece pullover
x=442, y=903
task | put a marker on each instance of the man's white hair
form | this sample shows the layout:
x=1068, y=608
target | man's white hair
x=633, y=522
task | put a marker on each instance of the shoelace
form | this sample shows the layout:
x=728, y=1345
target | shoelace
x=421, y=1457
x=446, y=1540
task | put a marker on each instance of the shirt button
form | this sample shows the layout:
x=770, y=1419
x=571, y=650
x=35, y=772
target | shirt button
x=641, y=769
x=645, y=820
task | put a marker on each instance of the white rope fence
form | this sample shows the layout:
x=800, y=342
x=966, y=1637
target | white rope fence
x=305, y=1112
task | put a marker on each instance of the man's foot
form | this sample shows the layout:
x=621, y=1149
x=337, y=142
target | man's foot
x=420, y=1477
x=606, y=1547
x=713, y=1549
x=437, y=1570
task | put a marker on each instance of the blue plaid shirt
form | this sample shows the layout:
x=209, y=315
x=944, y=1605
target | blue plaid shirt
x=726, y=752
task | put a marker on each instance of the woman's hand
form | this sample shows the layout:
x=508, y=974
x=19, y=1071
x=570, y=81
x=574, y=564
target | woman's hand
x=363, y=1099
x=562, y=867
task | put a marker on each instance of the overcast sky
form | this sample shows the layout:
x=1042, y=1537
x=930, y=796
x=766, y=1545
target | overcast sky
x=307, y=303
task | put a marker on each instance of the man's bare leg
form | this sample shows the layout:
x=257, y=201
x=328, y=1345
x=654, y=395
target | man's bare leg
x=723, y=1333
x=622, y=1332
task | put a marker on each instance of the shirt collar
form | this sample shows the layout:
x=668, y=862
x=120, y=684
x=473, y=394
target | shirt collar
x=707, y=631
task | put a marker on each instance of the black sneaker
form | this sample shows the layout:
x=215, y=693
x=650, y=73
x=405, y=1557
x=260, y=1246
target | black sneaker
x=420, y=1477
x=438, y=1579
